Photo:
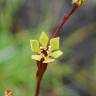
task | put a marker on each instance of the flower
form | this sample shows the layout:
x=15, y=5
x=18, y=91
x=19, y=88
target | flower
x=47, y=50
x=8, y=92
x=78, y=2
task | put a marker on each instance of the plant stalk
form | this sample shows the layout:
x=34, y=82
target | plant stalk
x=43, y=66
x=38, y=87
x=64, y=20
x=40, y=72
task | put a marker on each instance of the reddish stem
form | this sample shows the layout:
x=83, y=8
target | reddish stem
x=40, y=72
x=64, y=20
x=37, y=87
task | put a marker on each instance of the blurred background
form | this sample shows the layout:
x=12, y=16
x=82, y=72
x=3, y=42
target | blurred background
x=74, y=74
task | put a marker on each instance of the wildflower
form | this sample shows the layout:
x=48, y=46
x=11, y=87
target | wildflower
x=8, y=92
x=47, y=50
x=78, y=2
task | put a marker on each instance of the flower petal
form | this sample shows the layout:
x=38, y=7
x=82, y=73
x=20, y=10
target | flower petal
x=48, y=60
x=54, y=43
x=43, y=39
x=56, y=54
x=36, y=57
x=34, y=45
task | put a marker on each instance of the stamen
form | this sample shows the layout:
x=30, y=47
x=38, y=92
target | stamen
x=41, y=47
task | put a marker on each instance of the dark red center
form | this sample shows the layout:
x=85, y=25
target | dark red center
x=44, y=52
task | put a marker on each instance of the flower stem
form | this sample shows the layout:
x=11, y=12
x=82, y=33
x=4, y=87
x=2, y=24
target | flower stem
x=37, y=88
x=40, y=72
x=64, y=20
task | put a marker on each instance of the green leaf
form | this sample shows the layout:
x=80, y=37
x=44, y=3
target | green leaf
x=48, y=60
x=54, y=43
x=43, y=39
x=56, y=54
x=36, y=57
x=34, y=45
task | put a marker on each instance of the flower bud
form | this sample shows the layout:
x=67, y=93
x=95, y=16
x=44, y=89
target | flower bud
x=79, y=2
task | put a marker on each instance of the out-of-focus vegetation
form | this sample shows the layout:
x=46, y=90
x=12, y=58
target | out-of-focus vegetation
x=74, y=74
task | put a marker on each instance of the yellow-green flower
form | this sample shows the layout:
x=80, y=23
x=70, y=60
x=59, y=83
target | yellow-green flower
x=46, y=53
x=78, y=2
